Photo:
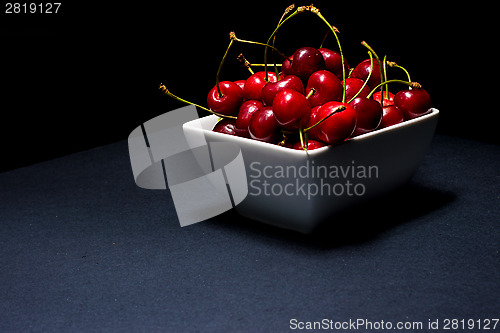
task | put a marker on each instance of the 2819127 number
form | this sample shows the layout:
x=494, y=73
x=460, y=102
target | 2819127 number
x=32, y=8
x=470, y=324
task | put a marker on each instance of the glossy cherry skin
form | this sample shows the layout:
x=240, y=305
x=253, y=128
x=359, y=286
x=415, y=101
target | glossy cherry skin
x=333, y=62
x=386, y=101
x=368, y=115
x=413, y=103
x=264, y=127
x=327, y=88
x=272, y=88
x=362, y=70
x=305, y=61
x=226, y=126
x=230, y=101
x=241, y=84
x=337, y=127
x=391, y=115
x=255, y=83
x=286, y=67
x=352, y=88
x=313, y=119
x=247, y=109
x=311, y=145
x=291, y=109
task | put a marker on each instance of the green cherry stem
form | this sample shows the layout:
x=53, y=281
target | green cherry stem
x=297, y=11
x=367, y=78
x=393, y=64
x=338, y=109
x=167, y=92
x=312, y=92
x=408, y=83
x=222, y=63
x=384, y=65
x=285, y=13
x=365, y=44
x=233, y=37
x=334, y=30
x=241, y=58
x=280, y=23
x=262, y=65
x=303, y=138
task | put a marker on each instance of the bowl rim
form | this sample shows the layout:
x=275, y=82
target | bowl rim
x=433, y=112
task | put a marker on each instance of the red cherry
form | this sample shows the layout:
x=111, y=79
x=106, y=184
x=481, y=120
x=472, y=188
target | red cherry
x=226, y=126
x=240, y=83
x=291, y=109
x=263, y=126
x=311, y=144
x=230, y=101
x=385, y=101
x=255, y=83
x=362, y=70
x=413, y=103
x=313, y=119
x=286, y=67
x=327, y=88
x=272, y=88
x=305, y=61
x=333, y=62
x=352, y=88
x=247, y=109
x=337, y=127
x=391, y=115
x=368, y=114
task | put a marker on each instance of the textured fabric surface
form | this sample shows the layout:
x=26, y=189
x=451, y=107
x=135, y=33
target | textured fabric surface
x=83, y=249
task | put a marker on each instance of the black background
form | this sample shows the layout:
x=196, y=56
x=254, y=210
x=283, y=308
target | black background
x=89, y=75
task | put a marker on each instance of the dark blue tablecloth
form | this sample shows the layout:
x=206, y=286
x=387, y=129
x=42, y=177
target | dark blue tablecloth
x=83, y=249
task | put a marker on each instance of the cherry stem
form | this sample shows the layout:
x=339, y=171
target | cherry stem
x=280, y=23
x=233, y=36
x=241, y=58
x=262, y=65
x=384, y=64
x=393, y=64
x=324, y=38
x=365, y=44
x=164, y=89
x=285, y=13
x=366, y=81
x=222, y=63
x=338, y=109
x=311, y=93
x=408, y=83
x=334, y=30
x=303, y=138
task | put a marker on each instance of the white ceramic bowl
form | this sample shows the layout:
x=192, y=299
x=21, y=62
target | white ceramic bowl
x=298, y=190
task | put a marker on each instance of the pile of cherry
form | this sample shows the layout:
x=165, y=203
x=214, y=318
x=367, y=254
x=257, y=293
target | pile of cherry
x=316, y=100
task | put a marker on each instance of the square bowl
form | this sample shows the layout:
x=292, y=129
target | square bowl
x=298, y=190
